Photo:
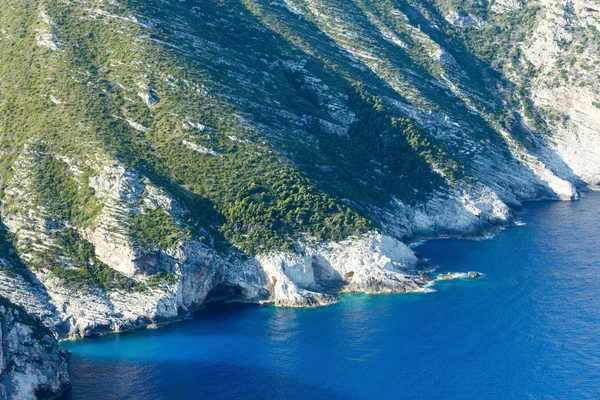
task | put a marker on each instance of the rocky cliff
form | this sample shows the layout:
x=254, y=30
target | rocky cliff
x=154, y=158
x=32, y=364
x=156, y=155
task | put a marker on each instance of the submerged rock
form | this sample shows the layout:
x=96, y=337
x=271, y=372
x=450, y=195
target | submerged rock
x=447, y=276
x=458, y=275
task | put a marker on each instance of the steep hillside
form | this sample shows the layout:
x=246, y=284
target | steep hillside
x=159, y=154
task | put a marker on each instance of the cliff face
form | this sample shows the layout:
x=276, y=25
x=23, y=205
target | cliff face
x=32, y=364
x=563, y=50
x=373, y=263
x=156, y=155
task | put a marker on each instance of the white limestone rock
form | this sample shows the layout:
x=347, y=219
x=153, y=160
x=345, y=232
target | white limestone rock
x=502, y=6
x=32, y=364
x=146, y=95
x=461, y=19
x=50, y=41
x=150, y=100
x=137, y=126
x=199, y=148
x=195, y=125
x=373, y=263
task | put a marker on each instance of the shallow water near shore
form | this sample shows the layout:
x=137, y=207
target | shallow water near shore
x=529, y=329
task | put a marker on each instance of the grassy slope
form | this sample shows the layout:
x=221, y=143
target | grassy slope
x=232, y=65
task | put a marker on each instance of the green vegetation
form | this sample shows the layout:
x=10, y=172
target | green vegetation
x=90, y=77
x=495, y=43
x=160, y=278
x=317, y=129
x=66, y=198
x=156, y=230
x=15, y=265
x=289, y=205
x=82, y=265
x=285, y=176
x=380, y=151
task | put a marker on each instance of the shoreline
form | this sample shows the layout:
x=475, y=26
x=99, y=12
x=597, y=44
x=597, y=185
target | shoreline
x=486, y=234
x=494, y=230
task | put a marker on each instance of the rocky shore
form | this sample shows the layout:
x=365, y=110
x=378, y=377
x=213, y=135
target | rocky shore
x=281, y=156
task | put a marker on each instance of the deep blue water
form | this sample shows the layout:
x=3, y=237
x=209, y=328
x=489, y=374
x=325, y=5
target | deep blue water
x=529, y=329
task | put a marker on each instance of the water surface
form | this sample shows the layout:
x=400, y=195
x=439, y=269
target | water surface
x=529, y=329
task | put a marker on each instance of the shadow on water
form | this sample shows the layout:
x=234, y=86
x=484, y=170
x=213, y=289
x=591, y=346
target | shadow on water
x=191, y=359
x=526, y=330
x=152, y=381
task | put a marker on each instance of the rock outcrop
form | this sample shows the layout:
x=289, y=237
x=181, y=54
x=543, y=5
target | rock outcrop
x=32, y=364
x=139, y=217
x=310, y=276
x=373, y=263
x=158, y=155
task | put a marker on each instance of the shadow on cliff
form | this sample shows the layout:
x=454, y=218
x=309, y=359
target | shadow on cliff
x=353, y=162
x=484, y=76
x=334, y=65
x=480, y=76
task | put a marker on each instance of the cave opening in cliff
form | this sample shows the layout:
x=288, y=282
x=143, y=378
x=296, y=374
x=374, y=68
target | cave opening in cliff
x=224, y=292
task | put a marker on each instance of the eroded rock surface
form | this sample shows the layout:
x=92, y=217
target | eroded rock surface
x=32, y=364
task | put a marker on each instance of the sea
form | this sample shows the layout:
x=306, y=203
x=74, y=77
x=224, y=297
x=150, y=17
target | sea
x=528, y=329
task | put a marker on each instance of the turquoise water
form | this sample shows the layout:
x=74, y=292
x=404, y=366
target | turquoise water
x=529, y=329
